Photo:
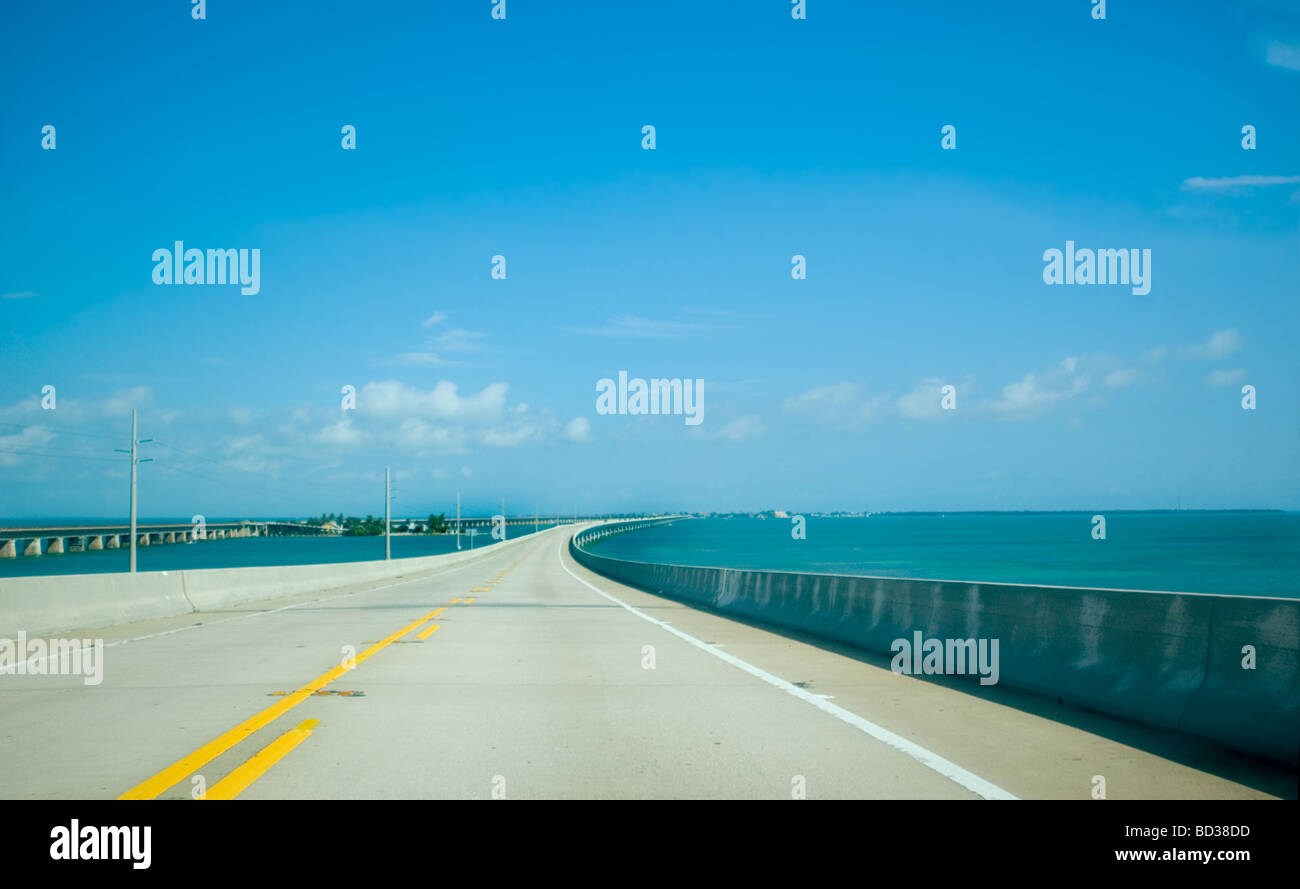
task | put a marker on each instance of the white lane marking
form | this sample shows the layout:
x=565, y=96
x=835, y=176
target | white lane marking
x=928, y=758
x=13, y=668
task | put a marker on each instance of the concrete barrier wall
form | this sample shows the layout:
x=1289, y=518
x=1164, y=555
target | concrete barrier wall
x=1172, y=660
x=51, y=604
x=55, y=603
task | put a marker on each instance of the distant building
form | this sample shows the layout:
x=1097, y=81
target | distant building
x=780, y=514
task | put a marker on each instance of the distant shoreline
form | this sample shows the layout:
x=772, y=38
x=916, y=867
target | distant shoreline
x=67, y=522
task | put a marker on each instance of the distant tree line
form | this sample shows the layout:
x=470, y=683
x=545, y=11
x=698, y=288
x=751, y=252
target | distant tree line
x=354, y=526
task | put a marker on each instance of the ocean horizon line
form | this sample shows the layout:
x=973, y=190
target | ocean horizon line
x=61, y=521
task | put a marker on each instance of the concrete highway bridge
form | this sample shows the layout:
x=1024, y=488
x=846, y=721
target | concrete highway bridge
x=52, y=540
x=517, y=671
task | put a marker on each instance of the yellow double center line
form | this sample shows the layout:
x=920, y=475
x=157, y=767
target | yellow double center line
x=237, y=781
x=182, y=768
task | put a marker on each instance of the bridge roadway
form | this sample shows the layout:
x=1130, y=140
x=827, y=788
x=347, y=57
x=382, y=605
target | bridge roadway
x=535, y=684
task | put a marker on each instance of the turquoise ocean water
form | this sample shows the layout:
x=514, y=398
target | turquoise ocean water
x=1231, y=553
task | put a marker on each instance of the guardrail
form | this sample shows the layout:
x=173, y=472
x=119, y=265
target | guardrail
x=1221, y=667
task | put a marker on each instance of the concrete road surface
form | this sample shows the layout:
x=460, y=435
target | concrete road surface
x=523, y=675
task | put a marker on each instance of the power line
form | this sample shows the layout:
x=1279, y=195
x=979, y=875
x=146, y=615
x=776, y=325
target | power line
x=223, y=464
x=4, y=450
x=262, y=485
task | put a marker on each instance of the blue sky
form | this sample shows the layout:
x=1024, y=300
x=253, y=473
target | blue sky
x=775, y=137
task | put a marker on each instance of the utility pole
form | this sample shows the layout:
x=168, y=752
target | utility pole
x=388, y=499
x=134, y=461
x=458, y=520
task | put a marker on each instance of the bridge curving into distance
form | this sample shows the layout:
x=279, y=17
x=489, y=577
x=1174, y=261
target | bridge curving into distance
x=516, y=672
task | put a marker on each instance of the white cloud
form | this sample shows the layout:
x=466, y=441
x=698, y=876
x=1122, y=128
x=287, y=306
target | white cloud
x=33, y=436
x=421, y=359
x=340, y=434
x=124, y=400
x=839, y=403
x=435, y=318
x=1226, y=183
x=644, y=328
x=249, y=453
x=1225, y=377
x=846, y=405
x=834, y=397
x=458, y=340
x=442, y=420
x=1220, y=345
x=392, y=399
x=923, y=402
x=416, y=434
x=1119, y=379
x=19, y=294
x=740, y=429
x=1033, y=395
x=1283, y=55
x=501, y=438
x=579, y=429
